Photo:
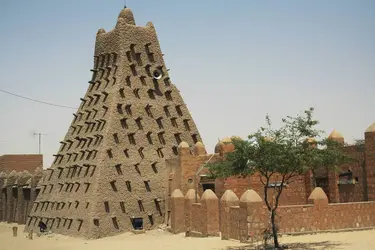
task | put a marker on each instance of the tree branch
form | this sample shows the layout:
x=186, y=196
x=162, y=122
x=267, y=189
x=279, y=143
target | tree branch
x=279, y=193
x=265, y=189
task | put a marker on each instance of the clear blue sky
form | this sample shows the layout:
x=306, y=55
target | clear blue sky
x=233, y=61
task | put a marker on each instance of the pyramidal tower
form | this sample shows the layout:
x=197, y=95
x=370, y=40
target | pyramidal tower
x=109, y=173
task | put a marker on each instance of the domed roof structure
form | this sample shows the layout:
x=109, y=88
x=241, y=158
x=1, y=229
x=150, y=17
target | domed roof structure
x=371, y=128
x=226, y=144
x=335, y=135
x=199, y=149
x=311, y=140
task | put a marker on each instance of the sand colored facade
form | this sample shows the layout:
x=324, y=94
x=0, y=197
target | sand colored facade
x=109, y=173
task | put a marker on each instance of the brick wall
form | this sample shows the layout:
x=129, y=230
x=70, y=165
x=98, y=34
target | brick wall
x=247, y=218
x=19, y=163
x=353, y=192
x=297, y=190
x=370, y=162
x=330, y=217
x=181, y=172
x=293, y=194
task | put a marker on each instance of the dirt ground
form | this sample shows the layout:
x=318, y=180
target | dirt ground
x=158, y=240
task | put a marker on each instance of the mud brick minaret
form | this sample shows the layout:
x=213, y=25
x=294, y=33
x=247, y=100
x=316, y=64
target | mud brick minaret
x=109, y=172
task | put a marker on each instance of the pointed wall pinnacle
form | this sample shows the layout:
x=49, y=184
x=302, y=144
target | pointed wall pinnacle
x=371, y=128
x=127, y=15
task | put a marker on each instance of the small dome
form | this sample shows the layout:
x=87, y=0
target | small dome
x=199, y=149
x=183, y=145
x=13, y=174
x=100, y=31
x=177, y=194
x=190, y=195
x=269, y=139
x=311, y=140
x=225, y=144
x=38, y=171
x=229, y=196
x=226, y=139
x=208, y=194
x=250, y=196
x=150, y=25
x=335, y=135
x=371, y=128
x=236, y=137
x=318, y=194
x=127, y=15
x=25, y=174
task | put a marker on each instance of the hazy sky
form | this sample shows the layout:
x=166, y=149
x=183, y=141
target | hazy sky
x=233, y=61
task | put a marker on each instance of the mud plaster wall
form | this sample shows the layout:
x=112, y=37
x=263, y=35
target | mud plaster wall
x=182, y=170
x=110, y=167
x=249, y=218
x=18, y=192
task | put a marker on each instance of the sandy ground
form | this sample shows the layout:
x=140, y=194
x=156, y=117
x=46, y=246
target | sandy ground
x=156, y=240
x=356, y=240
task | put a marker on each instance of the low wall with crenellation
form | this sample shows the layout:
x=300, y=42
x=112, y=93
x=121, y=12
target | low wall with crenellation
x=247, y=218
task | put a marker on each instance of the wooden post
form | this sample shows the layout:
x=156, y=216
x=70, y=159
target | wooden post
x=15, y=231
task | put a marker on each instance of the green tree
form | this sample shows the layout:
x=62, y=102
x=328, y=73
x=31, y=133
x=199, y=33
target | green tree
x=279, y=155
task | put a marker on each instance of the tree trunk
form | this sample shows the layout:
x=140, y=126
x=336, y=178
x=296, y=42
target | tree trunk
x=274, y=230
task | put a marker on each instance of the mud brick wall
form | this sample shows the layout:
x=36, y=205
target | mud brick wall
x=204, y=216
x=370, y=161
x=294, y=193
x=233, y=226
x=354, y=192
x=18, y=192
x=182, y=170
x=248, y=219
x=333, y=216
x=110, y=168
x=197, y=225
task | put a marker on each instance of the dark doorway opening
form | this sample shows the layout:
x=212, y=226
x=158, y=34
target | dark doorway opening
x=27, y=194
x=208, y=186
x=137, y=223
